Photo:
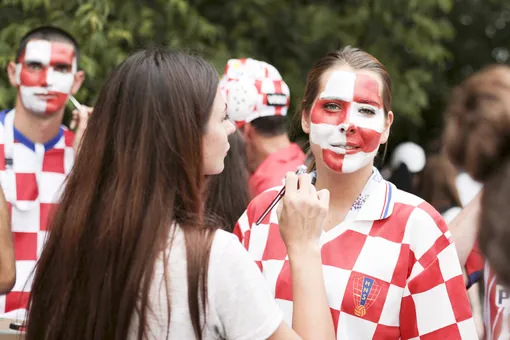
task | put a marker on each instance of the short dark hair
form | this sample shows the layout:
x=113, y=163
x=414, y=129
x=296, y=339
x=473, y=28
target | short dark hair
x=48, y=33
x=270, y=126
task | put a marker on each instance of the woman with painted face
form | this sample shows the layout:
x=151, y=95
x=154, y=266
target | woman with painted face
x=389, y=267
x=141, y=260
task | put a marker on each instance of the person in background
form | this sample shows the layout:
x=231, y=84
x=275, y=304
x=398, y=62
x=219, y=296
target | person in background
x=477, y=139
x=142, y=260
x=37, y=151
x=390, y=269
x=407, y=161
x=228, y=194
x=258, y=100
x=7, y=260
x=437, y=186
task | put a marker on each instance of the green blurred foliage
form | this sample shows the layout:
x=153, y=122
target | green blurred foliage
x=422, y=42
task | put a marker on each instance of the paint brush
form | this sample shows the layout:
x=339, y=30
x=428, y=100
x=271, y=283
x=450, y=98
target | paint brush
x=301, y=170
x=78, y=107
x=76, y=104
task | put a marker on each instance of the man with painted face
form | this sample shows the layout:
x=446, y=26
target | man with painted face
x=258, y=100
x=36, y=150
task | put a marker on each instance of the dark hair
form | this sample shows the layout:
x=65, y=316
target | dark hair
x=48, y=33
x=477, y=139
x=270, y=126
x=355, y=58
x=229, y=194
x=139, y=171
x=437, y=184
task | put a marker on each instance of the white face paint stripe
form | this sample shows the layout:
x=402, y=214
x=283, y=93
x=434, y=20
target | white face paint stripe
x=31, y=101
x=60, y=82
x=326, y=135
x=362, y=120
x=18, y=73
x=357, y=161
x=340, y=85
x=38, y=51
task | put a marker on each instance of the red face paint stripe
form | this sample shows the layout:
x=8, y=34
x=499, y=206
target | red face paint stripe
x=333, y=160
x=366, y=90
x=367, y=139
x=321, y=116
x=61, y=53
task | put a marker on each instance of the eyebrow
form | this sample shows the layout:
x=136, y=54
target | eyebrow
x=369, y=102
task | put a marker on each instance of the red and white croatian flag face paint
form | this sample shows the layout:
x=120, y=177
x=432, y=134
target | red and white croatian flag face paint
x=347, y=121
x=45, y=75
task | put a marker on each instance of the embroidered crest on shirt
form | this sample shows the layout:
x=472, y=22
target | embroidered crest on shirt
x=365, y=292
x=358, y=203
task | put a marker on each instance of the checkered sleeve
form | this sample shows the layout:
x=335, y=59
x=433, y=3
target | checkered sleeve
x=253, y=212
x=474, y=266
x=435, y=304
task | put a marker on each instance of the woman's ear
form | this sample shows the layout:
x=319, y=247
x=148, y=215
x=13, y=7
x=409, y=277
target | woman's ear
x=387, y=127
x=305, y=121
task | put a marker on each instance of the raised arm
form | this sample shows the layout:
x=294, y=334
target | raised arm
x=301, y=218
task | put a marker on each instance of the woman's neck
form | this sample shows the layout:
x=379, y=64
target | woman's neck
x=344, y=188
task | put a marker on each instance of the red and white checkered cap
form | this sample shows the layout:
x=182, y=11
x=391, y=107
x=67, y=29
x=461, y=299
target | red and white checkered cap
x=253, y=89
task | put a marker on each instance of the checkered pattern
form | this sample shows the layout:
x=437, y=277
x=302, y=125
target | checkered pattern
x=31, y=200
x=496, y=309
x=253, y=89
x=474, y=266
x=390, y=270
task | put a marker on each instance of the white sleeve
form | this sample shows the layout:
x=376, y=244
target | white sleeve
x=241, y=299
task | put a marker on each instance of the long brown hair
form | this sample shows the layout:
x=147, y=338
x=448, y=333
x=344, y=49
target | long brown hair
x=355, y=58
x=139, y=171
x=477, y=139
x=437, y=184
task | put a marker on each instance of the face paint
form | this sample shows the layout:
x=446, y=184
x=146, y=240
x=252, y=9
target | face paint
x=347, y=121
x=45, y=75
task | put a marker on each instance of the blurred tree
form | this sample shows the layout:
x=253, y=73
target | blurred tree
x=413, y=38
x=482, y=38
x=107, y=30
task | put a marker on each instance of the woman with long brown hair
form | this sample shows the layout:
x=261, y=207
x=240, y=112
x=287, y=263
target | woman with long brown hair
x=477, y=139
x=131, y=253
x=437, y=186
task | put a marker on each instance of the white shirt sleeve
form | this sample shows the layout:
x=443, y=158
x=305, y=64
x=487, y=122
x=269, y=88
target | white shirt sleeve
x=238, y=293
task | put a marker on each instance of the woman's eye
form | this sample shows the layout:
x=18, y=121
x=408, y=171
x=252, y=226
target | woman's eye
x=332, y=107
x=367, y=111
x=226, y=117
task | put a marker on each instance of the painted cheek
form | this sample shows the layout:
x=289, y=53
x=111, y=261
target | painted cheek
x=56, y=103
x=333, y=160
x=369, y=139
x=320, y=116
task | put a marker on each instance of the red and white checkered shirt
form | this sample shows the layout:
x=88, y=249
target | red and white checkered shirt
x=31, y=176
x=497, y=307
x=390, y=269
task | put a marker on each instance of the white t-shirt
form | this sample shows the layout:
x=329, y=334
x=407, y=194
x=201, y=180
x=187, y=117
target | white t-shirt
x=467, y=187
x=240, y=305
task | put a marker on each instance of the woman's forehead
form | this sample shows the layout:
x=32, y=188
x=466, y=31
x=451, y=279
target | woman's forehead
x=351, y=85
x=357, y=79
